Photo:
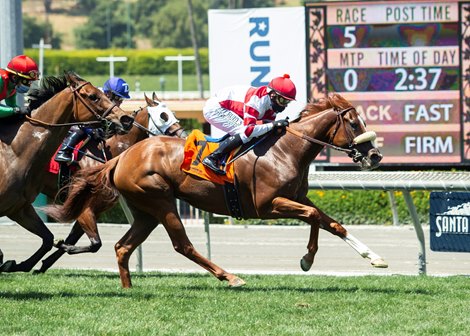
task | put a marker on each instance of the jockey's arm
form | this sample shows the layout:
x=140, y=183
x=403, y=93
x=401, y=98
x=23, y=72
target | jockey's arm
x=8, y=109
x=254, y=127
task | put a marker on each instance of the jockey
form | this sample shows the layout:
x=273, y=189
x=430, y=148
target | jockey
x=245, y=113
x=116, y=89
x=20, y=72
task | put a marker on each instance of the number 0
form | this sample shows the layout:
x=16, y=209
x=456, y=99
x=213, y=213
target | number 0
x=350, y=80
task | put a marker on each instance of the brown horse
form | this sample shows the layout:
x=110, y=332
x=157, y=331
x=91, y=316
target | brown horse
x=272, y=183
x=160, y=122
x=27, y=146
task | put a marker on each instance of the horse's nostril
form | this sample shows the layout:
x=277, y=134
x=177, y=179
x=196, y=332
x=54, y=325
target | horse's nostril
x=126, y=122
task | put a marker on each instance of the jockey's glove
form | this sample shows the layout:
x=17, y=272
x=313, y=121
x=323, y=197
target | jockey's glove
x=280, y=124
x=21, y=110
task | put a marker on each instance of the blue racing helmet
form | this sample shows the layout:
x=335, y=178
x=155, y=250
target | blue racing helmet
x=118, y=86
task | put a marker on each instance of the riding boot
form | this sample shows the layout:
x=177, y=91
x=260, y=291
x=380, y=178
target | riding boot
x=213, y=160
x=65, y=153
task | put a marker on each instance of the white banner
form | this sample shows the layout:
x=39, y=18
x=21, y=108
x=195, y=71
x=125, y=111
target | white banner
x=252, y=46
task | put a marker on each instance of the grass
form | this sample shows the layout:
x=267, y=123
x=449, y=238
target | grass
x=65, y=302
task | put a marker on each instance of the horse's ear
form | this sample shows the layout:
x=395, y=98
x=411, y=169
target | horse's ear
x=154, y=97
x=71, y=78
x=147, y=99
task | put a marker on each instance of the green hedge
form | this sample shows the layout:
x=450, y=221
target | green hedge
x=348, y=207
x=139, y=62
x=360, y=207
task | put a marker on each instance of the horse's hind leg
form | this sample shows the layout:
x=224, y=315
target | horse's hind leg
x=87, y=222
x=183, y=245
x=29, y=219
x=140, y=229
x=75, y=234
x=329, y=224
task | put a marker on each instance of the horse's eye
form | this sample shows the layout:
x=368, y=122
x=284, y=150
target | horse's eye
x=354, y=125
x=93, y=97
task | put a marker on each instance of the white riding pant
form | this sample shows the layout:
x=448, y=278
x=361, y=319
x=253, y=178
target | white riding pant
x=230, y=122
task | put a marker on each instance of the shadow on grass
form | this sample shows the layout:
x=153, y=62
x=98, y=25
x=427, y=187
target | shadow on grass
x=141, y=285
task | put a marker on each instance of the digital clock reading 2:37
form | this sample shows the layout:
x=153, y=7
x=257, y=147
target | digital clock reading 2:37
x=393, y=79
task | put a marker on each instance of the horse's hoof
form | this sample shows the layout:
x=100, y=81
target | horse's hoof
x=8, y=266
x=305, y=265
x=58, y=243
x=236, y=282
x=379, y=263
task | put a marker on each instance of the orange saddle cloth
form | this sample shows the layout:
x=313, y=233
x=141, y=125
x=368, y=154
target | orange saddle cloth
x=195, y=150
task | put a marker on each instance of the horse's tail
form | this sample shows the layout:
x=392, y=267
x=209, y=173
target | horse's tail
x=90, y=188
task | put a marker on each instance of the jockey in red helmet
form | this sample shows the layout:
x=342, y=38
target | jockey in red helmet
x=20, y=72
x=245, y=113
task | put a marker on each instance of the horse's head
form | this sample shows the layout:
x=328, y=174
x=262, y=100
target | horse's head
x=350, y=133
x=162, y=120
x=90, y=103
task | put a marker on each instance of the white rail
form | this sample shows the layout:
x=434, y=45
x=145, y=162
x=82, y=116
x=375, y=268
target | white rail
x=391, y=181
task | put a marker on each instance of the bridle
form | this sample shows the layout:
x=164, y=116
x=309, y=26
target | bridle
x=178, y=132
x=353, y=141
x=339, y=123
x=75, y=91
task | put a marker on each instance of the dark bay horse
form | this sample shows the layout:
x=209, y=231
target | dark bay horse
x=161, y=121
x=272, y=178
x=27, y=146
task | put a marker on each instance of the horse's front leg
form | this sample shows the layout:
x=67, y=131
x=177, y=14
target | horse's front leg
x=335, y=228
x=29, y=219
x=286, y=208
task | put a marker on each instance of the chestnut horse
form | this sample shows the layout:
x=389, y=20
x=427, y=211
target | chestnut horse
x=163, y=122
x=272, y=183
x=27, y=146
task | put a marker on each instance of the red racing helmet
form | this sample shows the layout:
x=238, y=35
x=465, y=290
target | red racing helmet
x=23, y=66
x=284, y=87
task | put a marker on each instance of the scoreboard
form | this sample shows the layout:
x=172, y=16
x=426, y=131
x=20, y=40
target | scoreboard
x=405, y=66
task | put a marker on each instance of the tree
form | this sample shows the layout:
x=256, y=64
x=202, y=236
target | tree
x=34, y=31
x=107, y=27
x=171, y=25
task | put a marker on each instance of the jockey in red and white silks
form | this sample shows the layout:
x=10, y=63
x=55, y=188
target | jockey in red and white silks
x=245, y=113
x=241, y=110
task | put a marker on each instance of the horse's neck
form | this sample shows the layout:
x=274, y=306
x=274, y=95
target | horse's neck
x=119, y=143
x=34, y=144
x=33, y=137
x=316, y=127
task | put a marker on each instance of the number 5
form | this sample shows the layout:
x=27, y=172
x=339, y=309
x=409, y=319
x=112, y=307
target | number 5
x=349, y=35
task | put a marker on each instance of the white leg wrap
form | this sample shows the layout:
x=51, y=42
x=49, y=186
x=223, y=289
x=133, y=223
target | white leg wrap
x=361, y=248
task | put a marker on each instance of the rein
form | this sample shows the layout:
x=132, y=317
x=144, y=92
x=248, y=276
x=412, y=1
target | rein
x=310, y=139
x=82, y=123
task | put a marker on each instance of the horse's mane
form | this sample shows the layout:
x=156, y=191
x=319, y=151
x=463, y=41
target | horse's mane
x=48, y=87
x=330, y=101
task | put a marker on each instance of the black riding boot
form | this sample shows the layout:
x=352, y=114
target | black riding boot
x=212, y=161
x=65, y=153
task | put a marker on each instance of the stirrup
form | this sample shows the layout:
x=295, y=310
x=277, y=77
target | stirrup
x=209, y=164
x=63, y=157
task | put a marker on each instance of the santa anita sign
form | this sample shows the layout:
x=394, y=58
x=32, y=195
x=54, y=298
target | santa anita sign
x=449, y=220
x=252, y=46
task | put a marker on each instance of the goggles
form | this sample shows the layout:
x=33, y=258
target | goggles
x=24, y=81
x=282, y=101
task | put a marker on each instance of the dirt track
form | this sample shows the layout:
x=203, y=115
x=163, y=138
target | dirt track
x=253, y=249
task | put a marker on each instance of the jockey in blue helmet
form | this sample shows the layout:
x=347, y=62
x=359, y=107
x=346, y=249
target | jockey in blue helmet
x=116, y=89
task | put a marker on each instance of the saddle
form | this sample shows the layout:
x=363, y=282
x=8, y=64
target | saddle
x=197, y=147
x=65, y=171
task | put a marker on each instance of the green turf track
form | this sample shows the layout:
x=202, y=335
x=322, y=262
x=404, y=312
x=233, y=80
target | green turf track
x=65, y=302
